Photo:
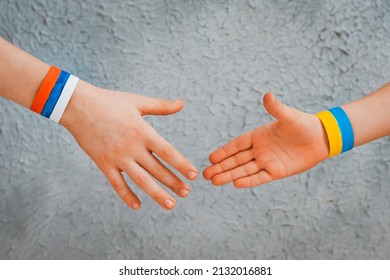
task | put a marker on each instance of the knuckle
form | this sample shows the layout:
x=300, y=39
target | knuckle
x=159, y=170
x=167, y=153
x=177, y=184
x=125, y=196
x=158, y=196
x=138, y=131
x=240, y=158
x=247, y=169
x=224, y=165
x=104, y=159
x=116, y=183
x=226, y=149
x=140, y=180
x=163, y=103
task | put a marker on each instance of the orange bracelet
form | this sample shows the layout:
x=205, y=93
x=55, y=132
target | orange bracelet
x=45, y=89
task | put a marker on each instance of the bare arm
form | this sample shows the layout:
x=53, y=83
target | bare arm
x=21, y=74
x=370, y=116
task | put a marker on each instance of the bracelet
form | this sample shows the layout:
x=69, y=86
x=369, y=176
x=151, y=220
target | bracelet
x=45, y=89
x=339, y=130
x=345, y=128
x=54, y=94
x=63, y=100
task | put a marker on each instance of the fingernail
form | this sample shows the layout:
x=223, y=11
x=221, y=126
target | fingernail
x=178, y=102
x=184, y=193
x=135, y=205
x=169, y=203
x=191, y=175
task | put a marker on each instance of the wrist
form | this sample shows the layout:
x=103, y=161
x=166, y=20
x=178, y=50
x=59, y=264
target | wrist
x=323, y=141
x=338, y=130
x=75, y=109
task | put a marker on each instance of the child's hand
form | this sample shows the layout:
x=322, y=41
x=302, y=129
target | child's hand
x=109, y=128
x=295, y=142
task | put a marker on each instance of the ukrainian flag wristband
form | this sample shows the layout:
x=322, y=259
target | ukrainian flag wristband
x=339, y=130
x=54, y=94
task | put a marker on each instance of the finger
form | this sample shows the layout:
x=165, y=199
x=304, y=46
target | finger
x=169, y=154
x=152, y=106
x=122, y=189
x=242, y=142
x=262, y=177
x=142, y=179
x=244, y=170
x=279, y=111
x=228, y=164
x=164, y=175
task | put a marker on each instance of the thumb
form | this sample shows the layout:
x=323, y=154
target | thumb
x=279, y=111
x=153, y=106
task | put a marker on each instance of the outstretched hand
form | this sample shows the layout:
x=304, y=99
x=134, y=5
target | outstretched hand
x=293, y=143
x=109, y=127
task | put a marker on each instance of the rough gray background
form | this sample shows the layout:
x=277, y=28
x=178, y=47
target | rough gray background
x=220, y=57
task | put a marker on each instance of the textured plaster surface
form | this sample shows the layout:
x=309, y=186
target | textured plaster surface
x=220, y=57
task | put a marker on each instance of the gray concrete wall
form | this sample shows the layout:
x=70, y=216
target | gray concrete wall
x=220, y=57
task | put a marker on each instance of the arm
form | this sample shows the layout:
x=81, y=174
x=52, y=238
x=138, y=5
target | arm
x=109, y=127
x=295, y=142
x=370, y=116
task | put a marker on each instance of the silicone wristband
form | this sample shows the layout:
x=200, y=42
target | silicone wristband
x=55, y=94
x=333, y=131
x=45, y=89
x=345, y=128
x=63, y=100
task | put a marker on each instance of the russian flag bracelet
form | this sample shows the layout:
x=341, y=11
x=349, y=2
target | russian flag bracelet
x=54, y=94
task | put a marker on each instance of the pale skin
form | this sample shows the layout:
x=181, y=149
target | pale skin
x=295, y=142
x=109, y=127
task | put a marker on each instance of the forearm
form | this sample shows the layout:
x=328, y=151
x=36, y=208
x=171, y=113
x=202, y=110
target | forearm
x=370, y=116
x=21, y=74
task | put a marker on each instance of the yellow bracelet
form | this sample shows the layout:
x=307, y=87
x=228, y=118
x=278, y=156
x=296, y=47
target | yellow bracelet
x=333, y=132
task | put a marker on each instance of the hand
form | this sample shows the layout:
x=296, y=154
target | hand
x=295, y=142
x=109, y=128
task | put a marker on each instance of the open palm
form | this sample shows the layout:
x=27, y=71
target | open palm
x=295, y=142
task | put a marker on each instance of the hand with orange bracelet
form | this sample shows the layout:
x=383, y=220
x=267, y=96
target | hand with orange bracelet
x=108, y=125
x=296, y=141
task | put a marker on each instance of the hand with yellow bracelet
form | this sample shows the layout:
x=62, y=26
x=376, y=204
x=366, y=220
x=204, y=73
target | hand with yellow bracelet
x=297, y=141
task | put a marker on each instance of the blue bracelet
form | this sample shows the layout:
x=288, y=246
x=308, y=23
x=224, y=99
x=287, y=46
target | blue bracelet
x=345, y=128
x=55, y=94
